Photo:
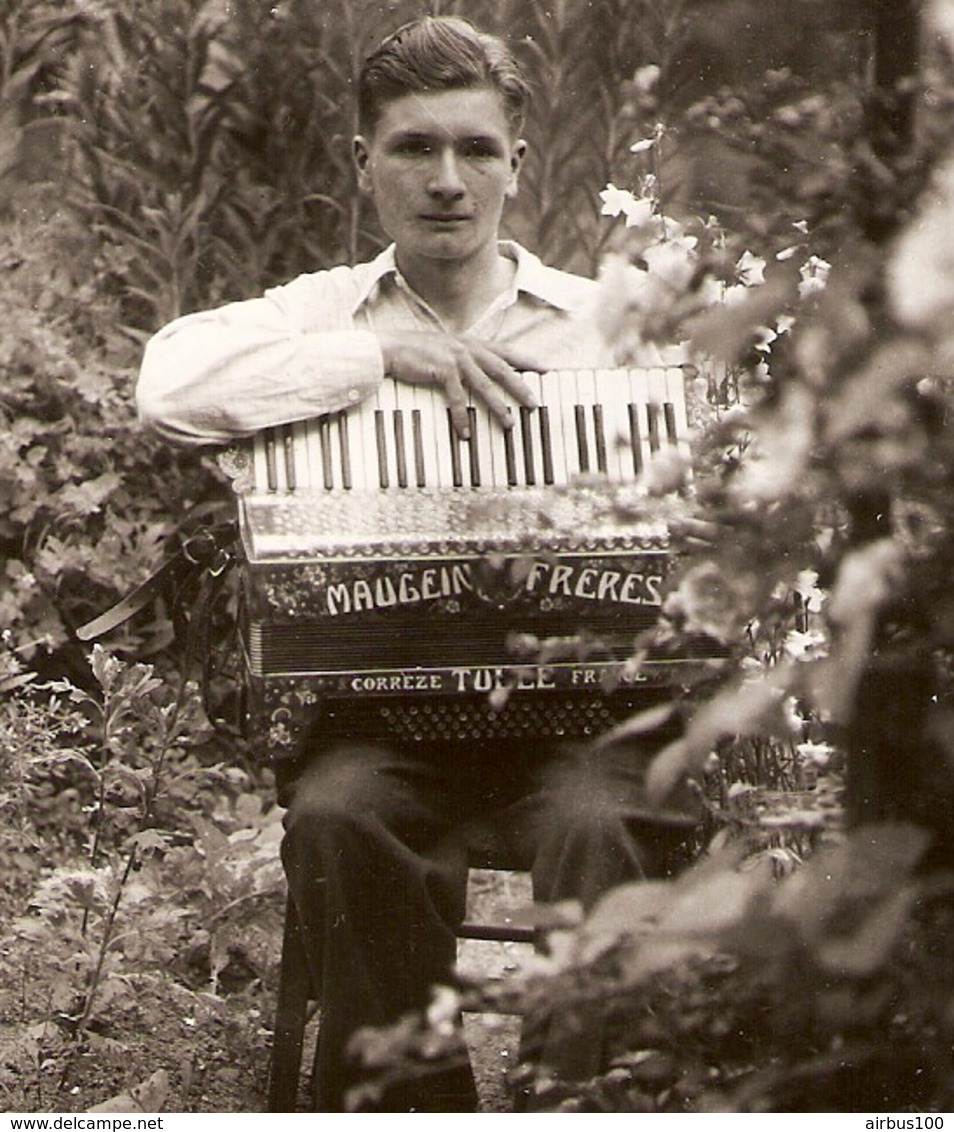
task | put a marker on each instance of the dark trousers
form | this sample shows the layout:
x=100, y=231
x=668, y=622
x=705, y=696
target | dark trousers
x=379, y=877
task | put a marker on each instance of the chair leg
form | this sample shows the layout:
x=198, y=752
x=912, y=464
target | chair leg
x=294, y=992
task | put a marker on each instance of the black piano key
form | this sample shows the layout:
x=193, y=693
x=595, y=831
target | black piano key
x=599, y=432
x=381, y=443
x=324, y=439
x=546, y=444
x=652, y=412
x=510, y=457
x=635, y=439
x=288, y=454
x=456, y=473
x=526, y=434
x=582, y=448
x=417, y=434
x=473, y=447
x=400, y=448
x=669, y=413
x=271, y=460
x=346, y=480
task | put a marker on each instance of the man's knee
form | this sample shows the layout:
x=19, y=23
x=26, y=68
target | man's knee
x=340, y=784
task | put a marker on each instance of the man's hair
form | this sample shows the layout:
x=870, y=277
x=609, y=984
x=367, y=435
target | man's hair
x=440, y=53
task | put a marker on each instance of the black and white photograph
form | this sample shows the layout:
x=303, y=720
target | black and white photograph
x=476, y=558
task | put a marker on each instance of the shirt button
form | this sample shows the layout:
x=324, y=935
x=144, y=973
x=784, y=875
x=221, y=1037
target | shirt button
x=353, y=395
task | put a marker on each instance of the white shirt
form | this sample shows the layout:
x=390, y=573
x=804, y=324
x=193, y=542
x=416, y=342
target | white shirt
x=311, y=347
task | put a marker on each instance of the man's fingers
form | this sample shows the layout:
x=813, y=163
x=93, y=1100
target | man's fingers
x=506, y=376
x=487, y=390
x=516, y=360
x=456, y=397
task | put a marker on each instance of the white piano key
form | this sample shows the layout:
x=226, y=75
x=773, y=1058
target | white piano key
x=338, y=432
x=260, y=462
x=657, y=399
x=613, y=395
x=486, y=429
x=559, y=388
x=402, y=437
x=423, y=402
x=676, y=396
x=363, y=446
x=388, y=395
x=533, y=446
x=299, y=457
x=639, y=396
x=277, y=463
x=313, y=452
x=444, y=437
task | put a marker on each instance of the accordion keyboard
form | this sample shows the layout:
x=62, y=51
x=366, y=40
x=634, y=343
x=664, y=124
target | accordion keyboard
x=587, y=422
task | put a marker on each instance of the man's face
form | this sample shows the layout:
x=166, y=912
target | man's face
x=439, y=167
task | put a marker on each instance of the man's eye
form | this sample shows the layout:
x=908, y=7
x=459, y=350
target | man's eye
x=414, y=147
x=480, y=150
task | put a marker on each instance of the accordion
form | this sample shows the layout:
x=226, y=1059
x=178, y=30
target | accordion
x=400, y=582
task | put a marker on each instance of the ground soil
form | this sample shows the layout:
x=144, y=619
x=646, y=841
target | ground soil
x=194, y=1051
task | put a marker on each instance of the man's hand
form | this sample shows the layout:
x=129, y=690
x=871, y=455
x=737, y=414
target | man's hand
x=457, y=364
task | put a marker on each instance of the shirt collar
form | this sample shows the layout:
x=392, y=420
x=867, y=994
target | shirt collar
x=532, y=277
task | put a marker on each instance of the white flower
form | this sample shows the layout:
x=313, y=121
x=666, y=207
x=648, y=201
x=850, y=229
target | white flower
x=817, y=753
x=637, y=210
x=806, y=585
x=646, y=77
x=614, y=200
x=800, y=645
x=814, y=273
x=750, y=270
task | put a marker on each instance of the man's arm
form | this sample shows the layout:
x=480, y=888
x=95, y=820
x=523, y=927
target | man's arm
x=220, y=375
x=215, y=376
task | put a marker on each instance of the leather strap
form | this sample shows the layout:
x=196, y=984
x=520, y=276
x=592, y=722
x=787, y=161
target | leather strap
x=207, y=551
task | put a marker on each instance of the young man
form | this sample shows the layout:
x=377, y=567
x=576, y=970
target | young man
x=370, y=855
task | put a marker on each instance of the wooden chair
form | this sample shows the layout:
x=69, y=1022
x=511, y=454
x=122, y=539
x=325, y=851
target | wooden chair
x=297, y=995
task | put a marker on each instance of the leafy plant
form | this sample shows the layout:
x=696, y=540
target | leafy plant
x=180, y=872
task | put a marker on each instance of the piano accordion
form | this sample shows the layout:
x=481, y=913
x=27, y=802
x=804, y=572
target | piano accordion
x=390, y=567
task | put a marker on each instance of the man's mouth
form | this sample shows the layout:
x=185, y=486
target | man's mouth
x=444, y=218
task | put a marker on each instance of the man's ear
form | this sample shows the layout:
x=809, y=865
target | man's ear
x=517, y=154
x=361, y=153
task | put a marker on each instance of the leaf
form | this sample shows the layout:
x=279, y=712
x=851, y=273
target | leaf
x=149, y=841
x=640, y=724
x=106, y=668
x=629, y=908
x=87, y=498
x=866, y=950
x=9, y=683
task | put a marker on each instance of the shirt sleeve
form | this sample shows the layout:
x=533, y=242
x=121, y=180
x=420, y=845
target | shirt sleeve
x=215, y=376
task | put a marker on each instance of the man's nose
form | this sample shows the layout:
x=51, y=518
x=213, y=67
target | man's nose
x=445, y=179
